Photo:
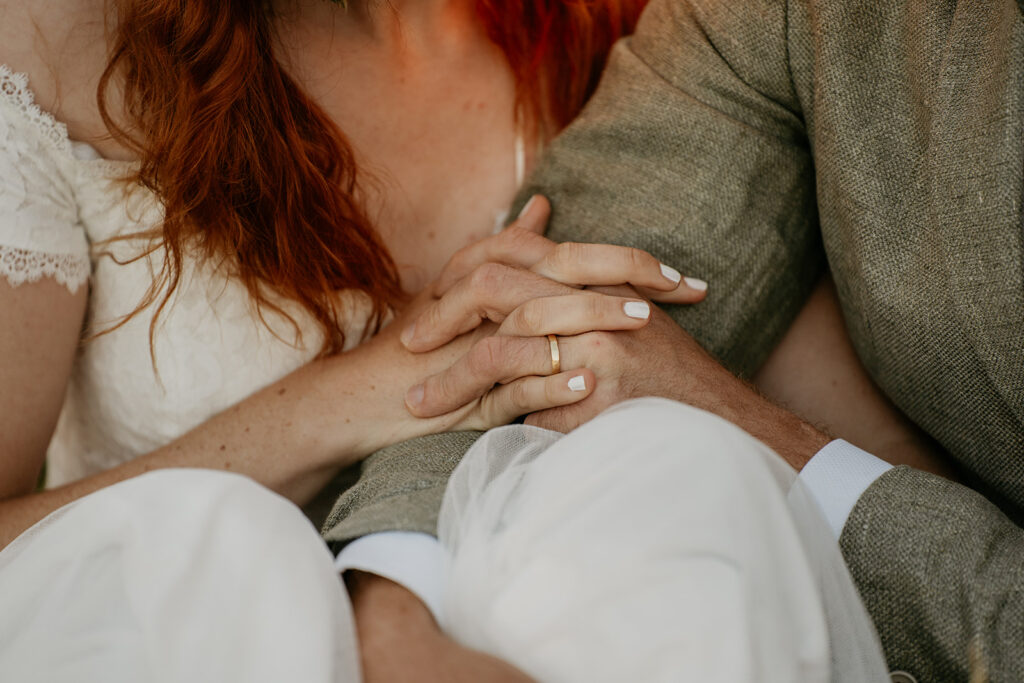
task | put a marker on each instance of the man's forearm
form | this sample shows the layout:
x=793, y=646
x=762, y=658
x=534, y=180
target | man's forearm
x=400, y=641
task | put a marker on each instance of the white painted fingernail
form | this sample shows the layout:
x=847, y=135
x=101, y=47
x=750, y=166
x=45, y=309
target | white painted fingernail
x=671, y=273
x=694, y=283
x=578, y=383
x=526, y=207
x=637, y=309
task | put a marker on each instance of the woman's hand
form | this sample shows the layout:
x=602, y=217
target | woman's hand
x=491, y=278
x=530, y=286
x=380, y=371
x=523, y=244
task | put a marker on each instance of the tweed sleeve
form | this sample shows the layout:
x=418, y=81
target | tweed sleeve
x=941, y=570
x=398, y=488
x=693, y=148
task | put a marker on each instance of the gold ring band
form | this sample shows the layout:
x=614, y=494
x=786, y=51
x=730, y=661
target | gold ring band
x=556, y=358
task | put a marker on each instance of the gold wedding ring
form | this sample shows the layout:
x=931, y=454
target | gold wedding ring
x=556, y=358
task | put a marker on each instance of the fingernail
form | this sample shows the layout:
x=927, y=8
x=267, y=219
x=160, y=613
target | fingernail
x=694, y=283
x=414, y=397
x=671, y=273
x=637, y=309
x=578, y=383
x=526, y=207
x=408, y=333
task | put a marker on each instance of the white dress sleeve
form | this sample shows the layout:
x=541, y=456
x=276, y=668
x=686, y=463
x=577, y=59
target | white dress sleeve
x=40, y=232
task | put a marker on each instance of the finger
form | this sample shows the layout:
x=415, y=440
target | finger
x=530, y=394
x=514, y=246
x=694, y=291
x=491, y=292
x=575, y=314
x=492, y=360
x=534, y=215
x=520, y=244
x=580, y=263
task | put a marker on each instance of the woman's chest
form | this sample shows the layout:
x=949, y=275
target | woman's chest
x=437, y=144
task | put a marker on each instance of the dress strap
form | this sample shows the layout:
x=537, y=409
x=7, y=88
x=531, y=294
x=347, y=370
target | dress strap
x=520, y=158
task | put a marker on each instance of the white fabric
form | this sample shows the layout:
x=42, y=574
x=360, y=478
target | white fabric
x=40, y=234
x=837, y=476
x=413, y=560
x=655, y=543
x=175, y=576
x=840, y=474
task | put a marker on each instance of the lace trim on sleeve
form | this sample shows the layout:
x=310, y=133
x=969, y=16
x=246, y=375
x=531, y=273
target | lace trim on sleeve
x=40, y=234
x=20, y=266
x=14, y=88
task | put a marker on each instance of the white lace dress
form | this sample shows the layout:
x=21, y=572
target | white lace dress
x=180, y=575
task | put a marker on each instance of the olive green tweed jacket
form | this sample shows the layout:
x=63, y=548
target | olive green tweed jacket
x=750, y=143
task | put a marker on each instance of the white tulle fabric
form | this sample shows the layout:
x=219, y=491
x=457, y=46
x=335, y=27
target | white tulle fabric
x=655, y=543
x=60, y=203
x=177, y=575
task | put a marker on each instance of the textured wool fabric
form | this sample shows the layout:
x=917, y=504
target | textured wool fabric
x=942, y=570
x=398, y=488
x=746, y=143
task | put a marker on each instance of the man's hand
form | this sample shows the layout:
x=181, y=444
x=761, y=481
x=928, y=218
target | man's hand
x=399, y=641
x=662, y=359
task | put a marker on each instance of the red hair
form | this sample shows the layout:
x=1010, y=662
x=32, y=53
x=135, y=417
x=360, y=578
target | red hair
x=252, y=174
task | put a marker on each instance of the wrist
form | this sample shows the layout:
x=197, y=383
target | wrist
x=360, y=395
x=383, y=609
x=794, y=439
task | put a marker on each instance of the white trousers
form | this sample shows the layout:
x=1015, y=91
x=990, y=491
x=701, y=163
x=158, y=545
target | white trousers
x=656, y=543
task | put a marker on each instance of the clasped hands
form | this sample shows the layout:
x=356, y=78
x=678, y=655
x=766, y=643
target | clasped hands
x=516, y=288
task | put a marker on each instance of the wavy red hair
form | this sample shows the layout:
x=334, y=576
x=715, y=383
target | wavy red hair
x=252, y=174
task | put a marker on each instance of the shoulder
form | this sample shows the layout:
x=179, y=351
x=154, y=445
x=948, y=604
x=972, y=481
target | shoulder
x=61, y=46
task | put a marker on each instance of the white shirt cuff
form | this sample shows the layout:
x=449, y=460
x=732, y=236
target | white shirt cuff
x=411, y=559
x=837, y=476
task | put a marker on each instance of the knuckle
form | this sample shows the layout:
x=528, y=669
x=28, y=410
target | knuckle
x=487, y=277
x=485, y=356
x=530, y=316
x=596, y=343
x=519, y=396
x=551, y=393
x=446, y=388
x=568, y=254
x=432, y=317
x=458, y=260
x=596, y=306
x=514, y=237
x=521, y=353
x=638, y=259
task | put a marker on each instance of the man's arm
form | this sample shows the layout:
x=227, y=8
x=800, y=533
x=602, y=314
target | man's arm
x=693, y=149
x=941, y=570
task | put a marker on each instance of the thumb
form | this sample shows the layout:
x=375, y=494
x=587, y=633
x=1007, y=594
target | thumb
x=534, y=214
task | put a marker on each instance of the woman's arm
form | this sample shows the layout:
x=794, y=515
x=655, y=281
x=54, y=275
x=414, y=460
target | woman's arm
x=292, y=436
x=295, y=434
x=286, y=436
